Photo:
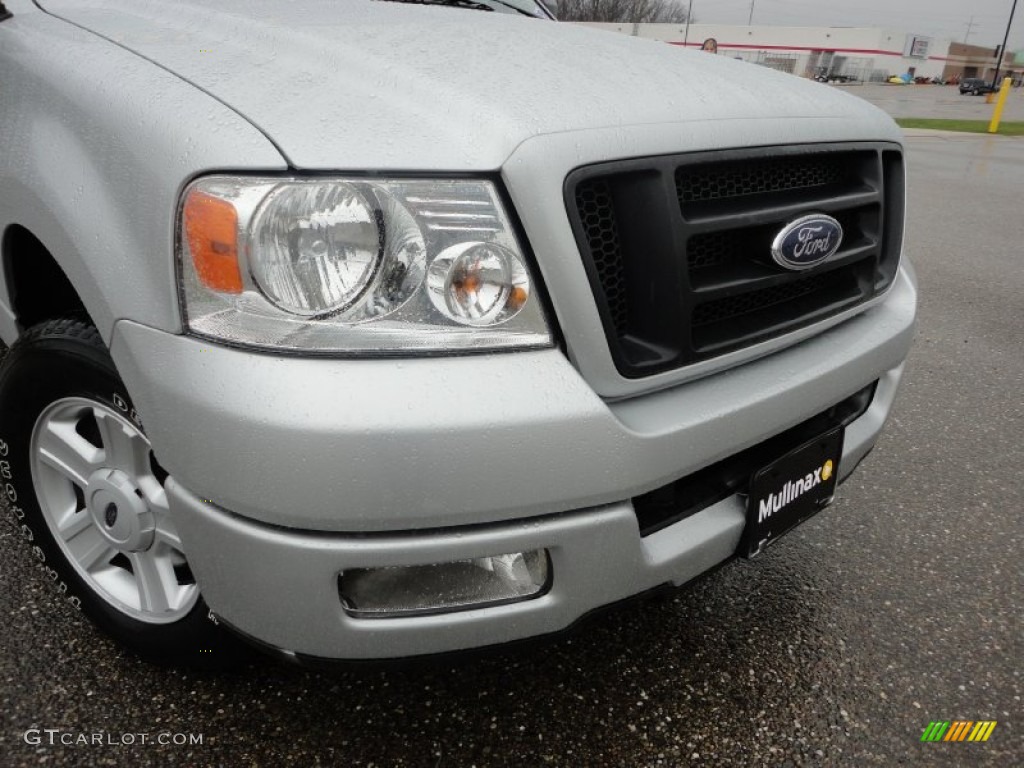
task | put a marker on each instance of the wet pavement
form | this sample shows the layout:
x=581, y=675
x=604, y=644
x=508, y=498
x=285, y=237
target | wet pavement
x=899, y=605
x=936, y=101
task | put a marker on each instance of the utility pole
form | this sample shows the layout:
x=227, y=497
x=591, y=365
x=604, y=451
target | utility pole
x=750, y=20
x=1002, y=48
x=689, y=16
x=970, y=28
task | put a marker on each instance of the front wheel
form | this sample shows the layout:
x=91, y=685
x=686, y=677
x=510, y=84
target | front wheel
x=84, y=487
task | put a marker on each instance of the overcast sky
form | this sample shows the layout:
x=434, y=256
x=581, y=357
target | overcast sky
x=937, y=18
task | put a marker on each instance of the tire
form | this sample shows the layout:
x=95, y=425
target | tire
x=81, y=481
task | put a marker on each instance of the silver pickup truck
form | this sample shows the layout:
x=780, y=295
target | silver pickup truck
x=365, y=329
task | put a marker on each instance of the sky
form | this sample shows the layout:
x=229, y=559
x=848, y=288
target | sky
x=947, y=19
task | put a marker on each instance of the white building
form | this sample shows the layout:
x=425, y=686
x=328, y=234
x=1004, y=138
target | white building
x=865, y=53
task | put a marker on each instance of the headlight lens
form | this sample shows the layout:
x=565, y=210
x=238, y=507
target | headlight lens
x=355, y=265
x=319, y=247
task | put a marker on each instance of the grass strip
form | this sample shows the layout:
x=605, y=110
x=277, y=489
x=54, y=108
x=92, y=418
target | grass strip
x=1006, y=128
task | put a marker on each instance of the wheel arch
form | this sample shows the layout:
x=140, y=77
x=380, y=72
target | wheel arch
x=36, y=287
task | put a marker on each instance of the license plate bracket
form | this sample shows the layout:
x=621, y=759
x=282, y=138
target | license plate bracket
x=790, y=490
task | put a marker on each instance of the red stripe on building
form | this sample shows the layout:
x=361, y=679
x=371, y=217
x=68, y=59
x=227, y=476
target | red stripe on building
x=867, y=51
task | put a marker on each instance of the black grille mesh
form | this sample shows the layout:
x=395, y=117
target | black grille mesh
x=746, y=303
x=714, y=249
x=597, y=213
x=756, y=177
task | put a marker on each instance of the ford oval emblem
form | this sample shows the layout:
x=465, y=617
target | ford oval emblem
x=807, y=242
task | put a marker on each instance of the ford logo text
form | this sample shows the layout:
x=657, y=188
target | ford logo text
x=807, y=242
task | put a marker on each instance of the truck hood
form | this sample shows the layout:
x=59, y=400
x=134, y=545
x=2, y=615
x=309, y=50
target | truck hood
x=362, y=84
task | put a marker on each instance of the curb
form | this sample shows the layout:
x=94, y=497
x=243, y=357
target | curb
x=928, y=133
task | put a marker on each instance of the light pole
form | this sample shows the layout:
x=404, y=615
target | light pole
x=970, y=28
x=689, y=15
x=1002, y=49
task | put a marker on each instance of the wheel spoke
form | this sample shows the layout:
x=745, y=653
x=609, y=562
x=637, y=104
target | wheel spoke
x=62, y=448
x=152, y=580
x=164, y=529
x=157, y=499
x=123, y=449
x=90, y=549
x=165, y=532
x=73, y=524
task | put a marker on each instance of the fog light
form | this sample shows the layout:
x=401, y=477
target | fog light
x=458, y=585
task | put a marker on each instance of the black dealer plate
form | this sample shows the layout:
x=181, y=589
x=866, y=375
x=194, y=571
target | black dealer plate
x=790, y=490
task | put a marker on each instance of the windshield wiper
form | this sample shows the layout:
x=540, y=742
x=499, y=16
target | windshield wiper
x=471, y=4
x=515, y=8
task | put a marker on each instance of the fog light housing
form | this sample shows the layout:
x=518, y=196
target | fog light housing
x=458, y=585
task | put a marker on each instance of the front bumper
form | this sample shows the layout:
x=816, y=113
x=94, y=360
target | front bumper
x=280, y=586
x=288, y=471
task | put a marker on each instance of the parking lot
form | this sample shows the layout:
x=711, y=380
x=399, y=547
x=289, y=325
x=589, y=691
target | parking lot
x=898, y=606
x=936, y=101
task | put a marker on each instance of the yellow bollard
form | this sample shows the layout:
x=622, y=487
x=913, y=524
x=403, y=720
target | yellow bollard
x=997, y=116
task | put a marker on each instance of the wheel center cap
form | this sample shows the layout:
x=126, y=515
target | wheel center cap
x=120, y=512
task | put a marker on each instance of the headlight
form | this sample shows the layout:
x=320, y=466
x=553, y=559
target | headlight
x=354, y=265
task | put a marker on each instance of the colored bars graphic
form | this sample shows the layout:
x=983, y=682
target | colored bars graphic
x=958, y=730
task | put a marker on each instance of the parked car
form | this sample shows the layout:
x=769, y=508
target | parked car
x=976, y=86
x=344, y=327
x=832, y=77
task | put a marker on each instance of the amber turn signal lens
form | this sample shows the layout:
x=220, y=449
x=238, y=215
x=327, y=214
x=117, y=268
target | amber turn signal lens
x=211, y=228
